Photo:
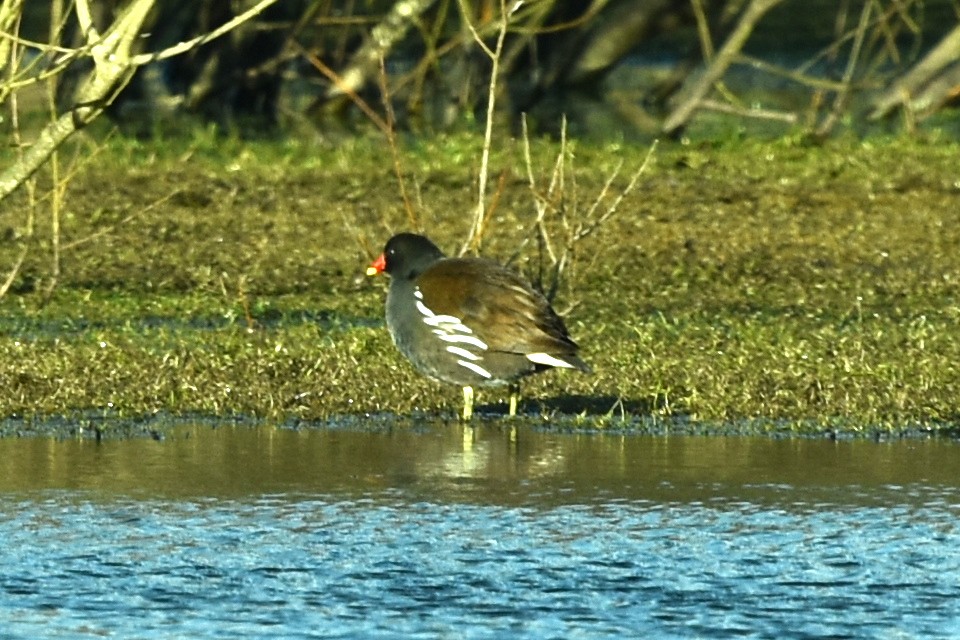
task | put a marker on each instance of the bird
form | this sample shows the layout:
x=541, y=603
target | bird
x=469, y=321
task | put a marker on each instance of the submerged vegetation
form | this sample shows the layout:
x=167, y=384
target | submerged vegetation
x=774, y=284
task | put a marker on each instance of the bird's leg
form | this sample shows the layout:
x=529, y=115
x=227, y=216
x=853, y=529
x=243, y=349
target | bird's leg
x=514, y=397
x=467, y=403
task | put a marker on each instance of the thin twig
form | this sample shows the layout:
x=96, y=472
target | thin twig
x=189, y=45
x=615, y=205
x=703, y=30
x=540, y=202
x=391, y=134
x=473, y=239
x=750, y=112
x=494, y=202
x=603, y=191
x=796, y=76
x=714, y=71
x=360, y=237
x=334, y=78
x=854, y=58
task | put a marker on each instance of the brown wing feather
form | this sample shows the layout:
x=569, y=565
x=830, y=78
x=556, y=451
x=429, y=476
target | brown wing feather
x=500, y=308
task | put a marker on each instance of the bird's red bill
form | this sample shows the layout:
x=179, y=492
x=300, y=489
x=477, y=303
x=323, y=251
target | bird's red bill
x=377, y=266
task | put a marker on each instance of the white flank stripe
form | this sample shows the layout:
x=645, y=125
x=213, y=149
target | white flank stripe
x=471, y=340
x=424, y=309
x=475, y=368
x=446, y=326
x=435, y=320
x=548, y=360
x=463, y=353
x=452, y=323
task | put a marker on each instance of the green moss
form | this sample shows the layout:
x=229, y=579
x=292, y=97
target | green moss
x=780, y=286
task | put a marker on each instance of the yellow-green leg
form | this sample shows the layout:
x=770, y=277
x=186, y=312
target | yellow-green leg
x=467, y=403
x=514, y=397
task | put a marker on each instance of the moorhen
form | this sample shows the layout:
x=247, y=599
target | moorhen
x=469, y=321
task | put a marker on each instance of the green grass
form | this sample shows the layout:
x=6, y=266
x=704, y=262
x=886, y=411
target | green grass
x=771, y=284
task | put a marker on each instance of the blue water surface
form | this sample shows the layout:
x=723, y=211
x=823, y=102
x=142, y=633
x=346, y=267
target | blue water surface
x=745, y=560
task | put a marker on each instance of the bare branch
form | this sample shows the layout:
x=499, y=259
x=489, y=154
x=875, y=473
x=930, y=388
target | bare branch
x=941, y=57
x=378, y=43
x=189, y=45
x=333, y=77
x=751, y=112
x=684, y=111
x=114, y=65
x=112, y=70
x=841, y=98
x=10, y=13
x=394, y=150
x=473, y=239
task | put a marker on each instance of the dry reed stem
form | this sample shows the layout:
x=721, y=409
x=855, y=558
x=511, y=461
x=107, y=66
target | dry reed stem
x=474, y=238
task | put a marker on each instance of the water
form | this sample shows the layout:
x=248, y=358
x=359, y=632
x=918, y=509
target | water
x=436, y=532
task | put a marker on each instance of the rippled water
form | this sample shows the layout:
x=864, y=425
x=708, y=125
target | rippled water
x=434, y=532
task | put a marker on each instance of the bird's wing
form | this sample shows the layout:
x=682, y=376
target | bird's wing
x=496, y=305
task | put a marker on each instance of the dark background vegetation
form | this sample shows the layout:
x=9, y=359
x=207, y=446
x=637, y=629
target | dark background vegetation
x=612, y=67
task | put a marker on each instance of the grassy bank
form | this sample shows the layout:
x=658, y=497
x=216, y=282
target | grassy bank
x=785, y=287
